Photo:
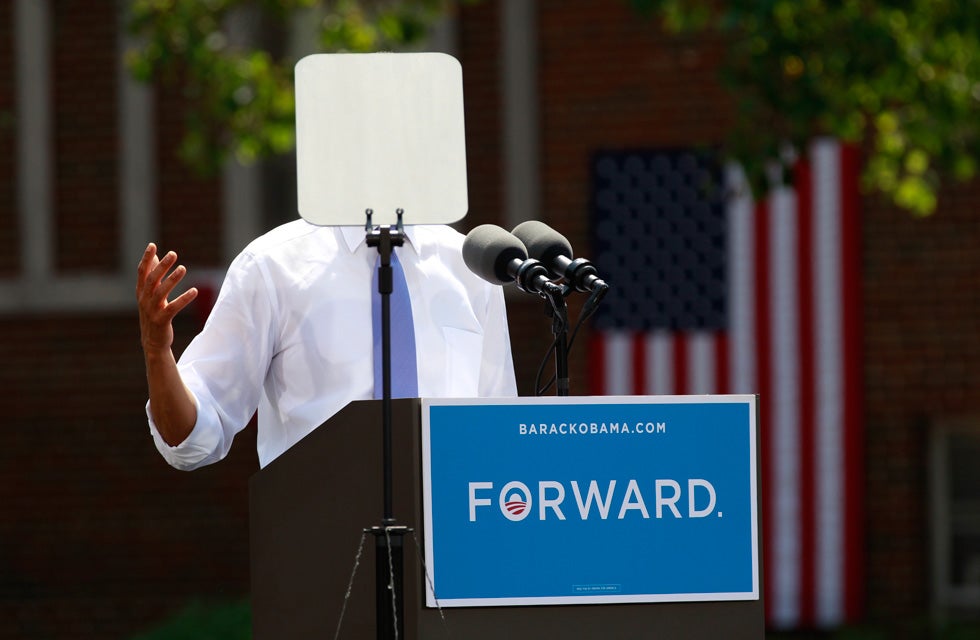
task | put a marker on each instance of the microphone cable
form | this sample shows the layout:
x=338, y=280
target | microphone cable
x=588, y=309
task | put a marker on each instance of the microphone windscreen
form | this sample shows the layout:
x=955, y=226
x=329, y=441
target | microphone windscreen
x=488, y=249
x=542, y=242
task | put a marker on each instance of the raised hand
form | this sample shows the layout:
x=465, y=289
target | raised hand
x=154, y=284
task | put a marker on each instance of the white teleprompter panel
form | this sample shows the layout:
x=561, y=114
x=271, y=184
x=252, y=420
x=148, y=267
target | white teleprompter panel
x=380, y=131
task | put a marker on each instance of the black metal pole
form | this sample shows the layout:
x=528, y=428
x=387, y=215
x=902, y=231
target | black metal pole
x=384, y=288
x=389, y=539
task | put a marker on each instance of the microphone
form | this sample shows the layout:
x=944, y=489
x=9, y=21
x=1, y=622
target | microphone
x=555, y=252
x=498, y=256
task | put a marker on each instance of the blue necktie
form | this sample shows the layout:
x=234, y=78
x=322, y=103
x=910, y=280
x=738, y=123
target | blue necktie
x=404, y=372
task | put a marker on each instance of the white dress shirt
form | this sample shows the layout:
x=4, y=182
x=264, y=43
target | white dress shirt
x=290, y=334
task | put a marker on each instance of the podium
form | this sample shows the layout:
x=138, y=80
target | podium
x=308, y=509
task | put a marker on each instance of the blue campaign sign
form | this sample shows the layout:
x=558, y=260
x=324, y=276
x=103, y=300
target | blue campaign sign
x=590, y=500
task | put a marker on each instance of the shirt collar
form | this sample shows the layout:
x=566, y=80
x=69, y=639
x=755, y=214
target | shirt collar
x=355, y=237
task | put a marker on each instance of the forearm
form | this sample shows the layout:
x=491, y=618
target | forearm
x=172, y=405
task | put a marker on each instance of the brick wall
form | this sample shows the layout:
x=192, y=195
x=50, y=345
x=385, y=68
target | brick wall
x=922, y=366
x=479, y=42
x=85, y=136
x=189, y=205
x=100, y=537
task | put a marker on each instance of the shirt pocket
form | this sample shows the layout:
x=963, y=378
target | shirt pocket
x=464, y=357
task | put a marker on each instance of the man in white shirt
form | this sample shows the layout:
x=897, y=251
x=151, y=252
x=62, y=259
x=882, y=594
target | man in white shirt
x=291, y=335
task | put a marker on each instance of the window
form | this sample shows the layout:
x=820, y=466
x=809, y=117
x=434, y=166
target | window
x=955, y=516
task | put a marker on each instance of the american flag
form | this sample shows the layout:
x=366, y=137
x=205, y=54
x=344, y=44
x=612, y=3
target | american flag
x=716, y=293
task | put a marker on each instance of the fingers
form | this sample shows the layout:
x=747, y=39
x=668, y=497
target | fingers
x=154, y=284
x=148, y=255
x=147, y=263
x=161, y=268
x=171, y=281
x=157, y=278
x=181, y=301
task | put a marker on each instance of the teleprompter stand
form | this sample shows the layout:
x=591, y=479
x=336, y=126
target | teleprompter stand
x=389, y=537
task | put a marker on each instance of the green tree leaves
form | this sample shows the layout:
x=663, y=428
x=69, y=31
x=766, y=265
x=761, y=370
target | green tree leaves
x=900, y=77
x=239, y=95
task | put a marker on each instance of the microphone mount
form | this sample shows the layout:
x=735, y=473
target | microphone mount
x=531, y=276
x=580, y=274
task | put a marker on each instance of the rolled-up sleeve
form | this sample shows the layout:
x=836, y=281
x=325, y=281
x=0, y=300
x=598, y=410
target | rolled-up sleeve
x=224, y=367
x=197, y=449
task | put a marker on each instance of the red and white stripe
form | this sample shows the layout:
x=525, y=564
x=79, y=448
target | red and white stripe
x=793, y=338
